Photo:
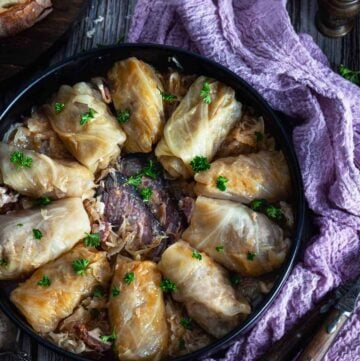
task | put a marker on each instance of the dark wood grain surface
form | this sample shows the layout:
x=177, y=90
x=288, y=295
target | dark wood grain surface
x=107, y=22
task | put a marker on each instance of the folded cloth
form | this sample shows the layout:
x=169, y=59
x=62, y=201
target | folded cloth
x=255, y=39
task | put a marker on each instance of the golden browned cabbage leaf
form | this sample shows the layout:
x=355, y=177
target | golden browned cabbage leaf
x=62, y=224
x=136, y=88
x=197, y=128
x=45, y=176
x=95, y=142
x=44, y=307
x=250, y=243
x=203, y=286
x=263, y=175
x=137, y=314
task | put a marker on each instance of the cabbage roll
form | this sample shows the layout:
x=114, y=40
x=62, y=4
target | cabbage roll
x=237, y=237
x=204, y=287
x=36, y=175
x=54, y=290
x=136, y=93
x=85, y=125
x=263, y=175
x=30, y=238
x=138, y=313
x=197, y=128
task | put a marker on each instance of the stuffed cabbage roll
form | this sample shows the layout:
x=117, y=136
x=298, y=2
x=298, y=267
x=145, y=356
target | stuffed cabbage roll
x=84, y=123
x=237, y=237
x=263, y=175
x=54, y=290
x=36, y=175
x=30, y=238
x=198, y=126
x=137, y=313
x=204, y=287
x=136, y=93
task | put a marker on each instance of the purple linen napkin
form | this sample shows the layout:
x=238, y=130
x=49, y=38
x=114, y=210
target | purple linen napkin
x=255, y=39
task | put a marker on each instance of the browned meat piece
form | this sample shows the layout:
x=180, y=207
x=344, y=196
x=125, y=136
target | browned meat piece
x=82, y=332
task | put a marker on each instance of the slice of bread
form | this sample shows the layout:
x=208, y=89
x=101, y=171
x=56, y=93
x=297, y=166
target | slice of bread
x=18, y=15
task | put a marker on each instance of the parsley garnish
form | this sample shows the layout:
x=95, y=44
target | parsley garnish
x=59, y=107
x=186, y=322
x=197, y=255
x=37, y=233
x=92, y=240
x=86, y=117
x=146, y=194
x=123, y=116
x=44, y=282
x=129, y=277
x=150, y=170
x=351, y=75
x=205, y=93
x=259, y=136
x=21, y=160
x=263, y=206
x=199, y=164
x=258, y=205
x=168, y=286
x=115, y=291
x=19, y=225
x=80, y=265
x=3, y=262
x=168, y=97
x=134, y=180
x=42, y=201
x=98, y=292
x=251, y=256
x=235, y=280
x=109, y=338
x=219, y=249
x=274, y=213
x=181, y=344
x=221, y=183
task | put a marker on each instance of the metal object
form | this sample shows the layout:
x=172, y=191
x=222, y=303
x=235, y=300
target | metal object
x=335, y=18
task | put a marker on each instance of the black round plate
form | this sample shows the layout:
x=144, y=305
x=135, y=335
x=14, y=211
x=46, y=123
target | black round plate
x=95, y=63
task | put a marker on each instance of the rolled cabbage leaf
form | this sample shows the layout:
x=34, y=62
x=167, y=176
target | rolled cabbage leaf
x=85, y=125
x=237, y=237
x=138, y=313
x=197, y=128
x=44, y=176
x=204, y=287
x=263, y=175
x=136, y=93
x=31, y=238
x=45, y=303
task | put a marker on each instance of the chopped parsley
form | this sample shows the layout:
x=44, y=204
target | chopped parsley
x=150, y=170
x=168, y=286
x=258, y=205
x=92, y=240
x=115, y=291
x=235, y=280
x=42, y=201
x=219, y=249
x=197, y=255
x=19, y=225
x=351, y=75
x=3, y=262
x=134, y=180
x=251, y=256
x=274, y=213
x=21, y=160
x=259, y=136
x=205, y=93
x=199, y=164
x=186, y=322
x=59, y=107
x=123, y=116
x=37, y=233
x=109, y=338
x=98, y=292
x=44, y=282
x=129, y=277
x=263, y=206
x=221, y=183
x=146, y=194
x=168, y=97
x=80, y=265
x=86, y=117
x=182, y=344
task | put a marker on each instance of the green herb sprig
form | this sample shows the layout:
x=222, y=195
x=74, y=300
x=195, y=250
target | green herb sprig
x=123, y=116
x=44, y=282
x=115, y=291
x=109, y=338
x=80, y=266
x=86, y=117
x=92, y=240
x=129, y=277
x=186, y=322
x=197, y=255
x=98, y=292
x=351, y=75
x=37, y=233
x=168, y=97
x=42, y=201
x=59, y=107
x=221, y=183
x=146, y=194
x=21, y=160
x=168, y=286
x=263, y=206
x=206, y=93
x=200, y=164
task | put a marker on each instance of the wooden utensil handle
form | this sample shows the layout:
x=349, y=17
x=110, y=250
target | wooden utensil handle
x=321, y=342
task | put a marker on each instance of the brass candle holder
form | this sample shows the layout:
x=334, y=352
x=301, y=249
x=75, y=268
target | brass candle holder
x=335, y=18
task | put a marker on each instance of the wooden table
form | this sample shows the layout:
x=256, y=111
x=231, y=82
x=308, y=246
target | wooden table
x=116, y=16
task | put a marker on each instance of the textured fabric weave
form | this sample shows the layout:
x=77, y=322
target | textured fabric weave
x=255, y=39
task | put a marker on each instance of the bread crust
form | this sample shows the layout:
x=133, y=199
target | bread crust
x=23, y=15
